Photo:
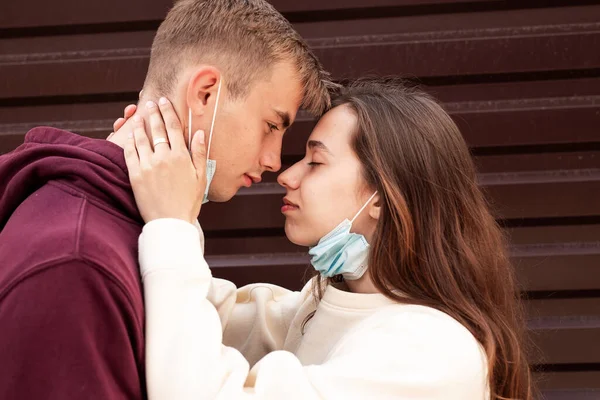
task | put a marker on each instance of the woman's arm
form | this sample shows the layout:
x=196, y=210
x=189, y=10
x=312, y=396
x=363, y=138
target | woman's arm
x=255, y=318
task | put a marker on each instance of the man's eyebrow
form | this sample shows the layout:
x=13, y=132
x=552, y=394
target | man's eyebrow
x=285, y=118
x=312, y=144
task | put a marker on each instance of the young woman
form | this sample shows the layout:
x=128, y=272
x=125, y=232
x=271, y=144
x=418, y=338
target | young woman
x=414, y=296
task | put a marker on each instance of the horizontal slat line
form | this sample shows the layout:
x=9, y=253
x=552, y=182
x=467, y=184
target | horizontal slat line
x=571, y=394
x=580, y=367
x=550, y=103
x=487, y=180
x=417, y=10
x=561, y=53
x=548, y=221
x=450, y=36
x=80, y=29
x=421, y=7
x=289, y=159
x=560, y=294
x=460, y=108
x=430, y=83
x=520, y=251
x=555, y=249
x=535, y=148
x=538, y=177
x=381, y=9
x=564, y=322
x=69, y=99
x=293, y=12
x=252, y=260
x=68, y=56
x=242, y=233
x=275, y=232
x=338, y=42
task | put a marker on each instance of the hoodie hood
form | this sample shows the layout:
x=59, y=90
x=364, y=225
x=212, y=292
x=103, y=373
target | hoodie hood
x=94, y=167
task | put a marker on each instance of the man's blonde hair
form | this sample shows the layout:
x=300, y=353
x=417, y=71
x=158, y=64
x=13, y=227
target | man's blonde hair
x=243, y=38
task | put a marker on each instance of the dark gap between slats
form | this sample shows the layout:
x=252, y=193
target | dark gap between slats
x=289, y=159
x=513, y=77
x=536, y=148
x=549, y=221
x=429, y=81
x=582, y=367
x=242, y=233
x=79, y=29
x=508, y=223
x=58, y=100
x=305, y=16
x=560, y=294
x=302, y=16
x=425, y=9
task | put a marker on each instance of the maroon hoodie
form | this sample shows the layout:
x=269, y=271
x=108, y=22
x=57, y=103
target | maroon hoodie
x=71, y=305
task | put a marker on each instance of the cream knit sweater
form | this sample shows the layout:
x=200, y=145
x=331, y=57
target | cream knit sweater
x=205, y=339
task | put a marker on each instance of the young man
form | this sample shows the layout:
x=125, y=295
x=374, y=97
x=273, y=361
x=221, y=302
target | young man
x=71, y=305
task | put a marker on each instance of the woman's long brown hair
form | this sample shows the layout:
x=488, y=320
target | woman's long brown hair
x=436, y=241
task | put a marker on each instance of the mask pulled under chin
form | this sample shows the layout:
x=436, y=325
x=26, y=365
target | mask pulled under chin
x=342, y=252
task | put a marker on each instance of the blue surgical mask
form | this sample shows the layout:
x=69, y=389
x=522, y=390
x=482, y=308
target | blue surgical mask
x=211, y=165
x=342, y=252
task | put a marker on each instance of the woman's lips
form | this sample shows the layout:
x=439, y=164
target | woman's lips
x=288, y=206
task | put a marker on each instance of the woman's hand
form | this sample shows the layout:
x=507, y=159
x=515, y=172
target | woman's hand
x=166, y=181
x=119, y=122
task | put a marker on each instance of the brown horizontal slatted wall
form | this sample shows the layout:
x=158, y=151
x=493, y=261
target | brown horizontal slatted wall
x=522, y=80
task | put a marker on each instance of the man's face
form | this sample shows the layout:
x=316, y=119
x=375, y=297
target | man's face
x=248, y=132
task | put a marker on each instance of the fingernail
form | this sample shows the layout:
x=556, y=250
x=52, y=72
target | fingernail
x=150, y=104
x=130, y=135
x=201, y=133
x=163, y=101
x=137, y=118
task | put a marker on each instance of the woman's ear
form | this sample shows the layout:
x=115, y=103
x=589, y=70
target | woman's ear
x=375, y=207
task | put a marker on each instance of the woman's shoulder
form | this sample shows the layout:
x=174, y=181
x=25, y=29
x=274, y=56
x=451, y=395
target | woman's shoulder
x=421, y=348
x=435, y=333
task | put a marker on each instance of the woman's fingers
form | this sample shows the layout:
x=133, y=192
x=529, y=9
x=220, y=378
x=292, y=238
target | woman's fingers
x=129, y=111
x=199, y=155
x=132, y=159
x=173, y=125
x=141, y=142
x=118, y=124
x=157, y=127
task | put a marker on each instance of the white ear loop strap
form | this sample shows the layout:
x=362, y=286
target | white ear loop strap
x=212, y=124
x=363, y=207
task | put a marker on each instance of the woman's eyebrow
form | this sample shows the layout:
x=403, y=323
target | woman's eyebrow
x=316, y=144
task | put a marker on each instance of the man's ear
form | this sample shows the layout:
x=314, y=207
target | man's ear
x=202, y=89
x=375, y=207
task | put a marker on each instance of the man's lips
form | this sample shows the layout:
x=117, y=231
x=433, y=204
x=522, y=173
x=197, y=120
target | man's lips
x=250, y=179
x=254, y=178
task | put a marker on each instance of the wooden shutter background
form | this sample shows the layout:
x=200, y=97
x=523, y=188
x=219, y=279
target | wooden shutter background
x=522, y=80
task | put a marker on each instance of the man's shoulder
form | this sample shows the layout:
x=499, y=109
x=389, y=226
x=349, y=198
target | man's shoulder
x=69, y=228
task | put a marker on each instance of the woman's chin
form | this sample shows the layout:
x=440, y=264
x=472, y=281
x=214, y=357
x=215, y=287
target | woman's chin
x=299, y=237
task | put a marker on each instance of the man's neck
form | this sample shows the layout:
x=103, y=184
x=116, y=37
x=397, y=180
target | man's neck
x=120, y=136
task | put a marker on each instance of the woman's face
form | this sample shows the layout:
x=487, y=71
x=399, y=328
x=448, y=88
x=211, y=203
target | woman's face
x=327, y=186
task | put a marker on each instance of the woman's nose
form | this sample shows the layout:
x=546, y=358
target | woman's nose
x=290, y=178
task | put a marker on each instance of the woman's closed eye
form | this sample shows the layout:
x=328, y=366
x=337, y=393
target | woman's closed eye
x=314, y=163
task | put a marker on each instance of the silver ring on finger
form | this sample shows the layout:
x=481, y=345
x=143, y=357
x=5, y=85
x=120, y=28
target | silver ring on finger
x=158, y=141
